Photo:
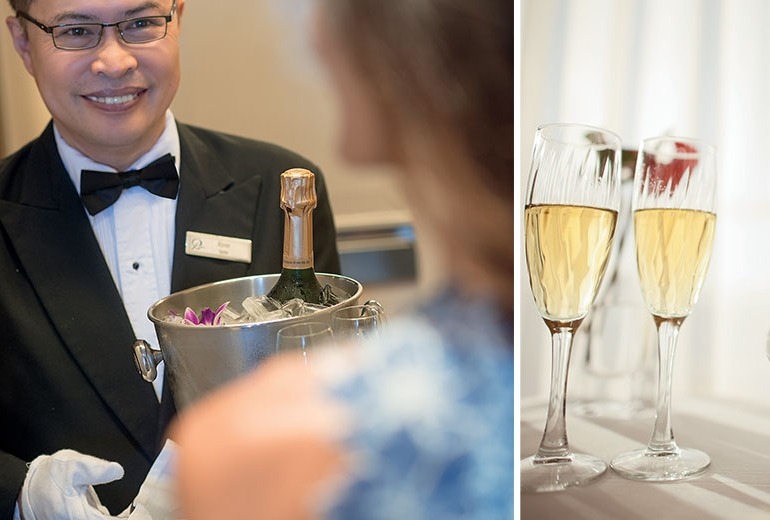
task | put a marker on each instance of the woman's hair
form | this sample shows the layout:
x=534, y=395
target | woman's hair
x=443, y=72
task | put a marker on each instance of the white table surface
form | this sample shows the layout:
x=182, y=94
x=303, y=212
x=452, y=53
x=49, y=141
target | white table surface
x=736, y=486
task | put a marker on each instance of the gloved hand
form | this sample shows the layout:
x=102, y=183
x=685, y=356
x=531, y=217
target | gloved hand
x=60, y=487
x=157, y=498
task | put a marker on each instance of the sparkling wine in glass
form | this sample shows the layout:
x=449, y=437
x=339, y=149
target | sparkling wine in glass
x=571, y=210
x=674, y=221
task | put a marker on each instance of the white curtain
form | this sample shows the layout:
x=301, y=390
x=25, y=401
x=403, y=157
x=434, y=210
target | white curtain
x=698, y=68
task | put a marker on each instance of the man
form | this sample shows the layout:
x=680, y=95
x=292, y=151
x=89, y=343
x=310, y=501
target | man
x=78, y=275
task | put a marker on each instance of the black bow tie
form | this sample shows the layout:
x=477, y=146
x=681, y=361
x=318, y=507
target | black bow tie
x=100, y=190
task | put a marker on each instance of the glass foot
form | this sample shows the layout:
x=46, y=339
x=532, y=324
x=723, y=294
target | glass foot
x=652, y=466
x=538, y=475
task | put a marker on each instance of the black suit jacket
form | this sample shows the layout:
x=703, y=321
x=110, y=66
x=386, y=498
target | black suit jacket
x=67, y=377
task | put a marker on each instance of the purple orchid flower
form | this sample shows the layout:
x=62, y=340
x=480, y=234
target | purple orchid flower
x=207, y=317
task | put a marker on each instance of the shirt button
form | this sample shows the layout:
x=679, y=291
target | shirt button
x=135, y=265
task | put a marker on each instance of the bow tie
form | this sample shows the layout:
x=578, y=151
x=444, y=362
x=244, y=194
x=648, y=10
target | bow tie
x=99, y=190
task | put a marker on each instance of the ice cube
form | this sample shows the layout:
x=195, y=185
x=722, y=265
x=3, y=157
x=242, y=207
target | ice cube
x=260, y=308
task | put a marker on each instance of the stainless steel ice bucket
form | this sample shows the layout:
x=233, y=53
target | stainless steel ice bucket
x=200, y=358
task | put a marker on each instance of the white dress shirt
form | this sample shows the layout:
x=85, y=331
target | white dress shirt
x=136, y=235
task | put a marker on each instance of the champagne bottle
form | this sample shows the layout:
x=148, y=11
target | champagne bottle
x=298, y=279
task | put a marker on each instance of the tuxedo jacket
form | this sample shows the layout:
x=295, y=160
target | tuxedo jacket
x=67, y=375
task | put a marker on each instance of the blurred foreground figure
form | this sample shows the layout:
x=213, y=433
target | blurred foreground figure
x=418, y=424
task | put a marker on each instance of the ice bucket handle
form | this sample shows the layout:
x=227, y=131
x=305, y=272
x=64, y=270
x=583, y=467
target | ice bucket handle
x=147, y=360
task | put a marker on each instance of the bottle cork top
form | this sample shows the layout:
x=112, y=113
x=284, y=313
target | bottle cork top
x=298, y=189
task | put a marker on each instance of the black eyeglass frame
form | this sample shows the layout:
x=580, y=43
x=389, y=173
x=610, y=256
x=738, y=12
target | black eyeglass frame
x=50, y=29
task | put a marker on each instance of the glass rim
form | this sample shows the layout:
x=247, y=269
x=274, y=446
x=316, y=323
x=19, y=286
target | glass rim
x=702, y=146
x=355, y=312
x=303, y=328
x=615, y=140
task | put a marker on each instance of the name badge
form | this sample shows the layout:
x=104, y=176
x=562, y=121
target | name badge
x=218, y=246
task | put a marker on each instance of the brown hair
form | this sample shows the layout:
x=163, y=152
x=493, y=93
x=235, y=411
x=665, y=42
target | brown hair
x=443, y=70
x=20, y=5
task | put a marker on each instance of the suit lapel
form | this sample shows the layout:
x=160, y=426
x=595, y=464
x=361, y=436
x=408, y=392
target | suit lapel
x=56, y=245
x=210, y=201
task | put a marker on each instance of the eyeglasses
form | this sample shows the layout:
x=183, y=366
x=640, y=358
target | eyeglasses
x=81, y=36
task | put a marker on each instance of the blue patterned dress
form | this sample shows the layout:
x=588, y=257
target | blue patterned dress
x=432, y=407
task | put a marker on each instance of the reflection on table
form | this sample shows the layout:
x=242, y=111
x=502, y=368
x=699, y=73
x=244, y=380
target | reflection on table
x=736, y=485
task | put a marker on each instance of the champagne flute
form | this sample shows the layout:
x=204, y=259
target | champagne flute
x=674, y=220
x=303, y=338
x=572, y=204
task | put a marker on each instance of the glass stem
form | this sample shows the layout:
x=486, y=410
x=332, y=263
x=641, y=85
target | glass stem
x=554, y=446
x=662, y=440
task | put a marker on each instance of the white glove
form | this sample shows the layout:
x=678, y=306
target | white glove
x=157, y=497
x=60, y=487
x=136, y=512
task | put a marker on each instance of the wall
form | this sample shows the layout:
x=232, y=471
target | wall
x=22, y=114
x=260, y=80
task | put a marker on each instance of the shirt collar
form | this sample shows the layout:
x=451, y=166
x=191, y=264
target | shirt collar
x=74, y=161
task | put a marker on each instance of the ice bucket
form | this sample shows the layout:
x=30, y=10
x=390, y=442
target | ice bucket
x=200, y=358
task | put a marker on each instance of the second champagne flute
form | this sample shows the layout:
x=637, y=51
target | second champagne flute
x=572, y=203
x=674, y=221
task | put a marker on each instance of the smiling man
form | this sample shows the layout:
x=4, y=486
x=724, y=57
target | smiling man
x=81, y=264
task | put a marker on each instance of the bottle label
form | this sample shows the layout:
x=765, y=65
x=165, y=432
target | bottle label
x=296, y=262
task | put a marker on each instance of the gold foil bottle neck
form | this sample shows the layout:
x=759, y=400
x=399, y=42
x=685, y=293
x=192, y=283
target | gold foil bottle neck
x=298, y=189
